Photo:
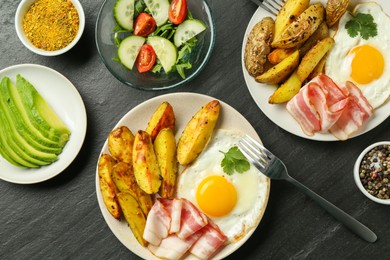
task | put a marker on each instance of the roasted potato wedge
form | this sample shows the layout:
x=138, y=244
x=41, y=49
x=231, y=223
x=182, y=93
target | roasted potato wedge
x=280, y=71
x=197, y=133
x=320, y=68
x=124, y=179
x=107, y=186
x=321, y=33
x=145, y=165
x=301, y=29
x=163, y=117
x=289, y=12
x=120, y=144
x=133, y=215
x=277, y=55
x=287, y=90
x=313, y=57
x=165, y=148
x=258, y=47
x=334, y=10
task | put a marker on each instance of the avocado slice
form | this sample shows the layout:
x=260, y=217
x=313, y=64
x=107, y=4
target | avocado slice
x=18, y=143
x=40, y=113
x=21, y=121
x=8, y=150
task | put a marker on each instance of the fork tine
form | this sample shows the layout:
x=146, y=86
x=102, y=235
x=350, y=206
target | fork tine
x=255, y=151
x=265, y=5
x=259, y=146
x=269, y=9
x=250, y=155
x=274, y=4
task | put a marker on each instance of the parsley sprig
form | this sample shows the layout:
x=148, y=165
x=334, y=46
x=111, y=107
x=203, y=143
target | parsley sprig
x=362, y=24
x=234, y=161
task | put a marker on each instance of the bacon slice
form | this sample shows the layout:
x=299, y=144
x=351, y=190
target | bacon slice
x=174, y=207
x=191, y=220
x=323, y=106
x=211, y=240
x=173, y=247
x=157, y=224
x=356, y=113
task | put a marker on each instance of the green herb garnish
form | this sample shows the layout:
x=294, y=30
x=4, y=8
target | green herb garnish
x=234, y=161
x=363, y=24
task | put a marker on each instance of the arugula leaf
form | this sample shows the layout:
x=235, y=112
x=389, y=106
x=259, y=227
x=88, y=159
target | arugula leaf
x=363, y=24
x=234, y=161
x=139, y=7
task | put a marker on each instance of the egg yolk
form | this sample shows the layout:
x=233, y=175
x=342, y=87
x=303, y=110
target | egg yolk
x=216, y=196
x=367, y=64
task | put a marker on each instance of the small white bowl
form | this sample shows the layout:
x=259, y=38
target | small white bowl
x=357, y=177
x=20, y=13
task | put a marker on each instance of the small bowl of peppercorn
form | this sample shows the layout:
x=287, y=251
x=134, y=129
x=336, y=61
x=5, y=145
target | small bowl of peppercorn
x=49, y=27
x=372, y=172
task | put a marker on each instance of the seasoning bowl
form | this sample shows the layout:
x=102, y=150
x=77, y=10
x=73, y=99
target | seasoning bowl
x=149, y=81
x=21, y=12
x=373, y=169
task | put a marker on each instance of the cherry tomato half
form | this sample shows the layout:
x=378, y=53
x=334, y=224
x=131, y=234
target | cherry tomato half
x=177, y=11
x=146, y=58
x=144, y=25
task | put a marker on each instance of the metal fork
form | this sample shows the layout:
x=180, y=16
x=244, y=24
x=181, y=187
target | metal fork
x=274, y=168
x=272, y=6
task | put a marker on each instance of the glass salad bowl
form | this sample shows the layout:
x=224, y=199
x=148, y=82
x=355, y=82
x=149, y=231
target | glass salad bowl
x=108, y=50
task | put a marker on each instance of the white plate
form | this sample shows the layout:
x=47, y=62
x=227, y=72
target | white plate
x=278, y=113
x=66, y=101
x=185, y=105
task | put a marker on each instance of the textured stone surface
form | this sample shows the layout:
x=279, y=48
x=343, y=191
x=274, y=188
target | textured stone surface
x=60, y=218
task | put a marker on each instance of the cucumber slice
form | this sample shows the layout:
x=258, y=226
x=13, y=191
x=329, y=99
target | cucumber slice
x=159, y=10
x=128, y=50
x=187, y=30
x=165, y=50
x=124, y=13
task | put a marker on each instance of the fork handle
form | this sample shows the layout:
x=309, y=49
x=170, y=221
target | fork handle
x=350, y=222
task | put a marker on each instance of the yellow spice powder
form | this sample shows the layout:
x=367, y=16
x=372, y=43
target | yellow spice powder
x=51, y=24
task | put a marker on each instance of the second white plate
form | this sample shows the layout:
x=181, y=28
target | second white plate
x=278, y=113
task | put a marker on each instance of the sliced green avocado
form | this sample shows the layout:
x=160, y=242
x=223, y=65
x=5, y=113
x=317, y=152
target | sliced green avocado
x=40, y=113
x=21, y=121
x=18, y=143
x=8, y=150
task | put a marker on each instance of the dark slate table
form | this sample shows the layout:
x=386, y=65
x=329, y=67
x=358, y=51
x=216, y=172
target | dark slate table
x=61, y=219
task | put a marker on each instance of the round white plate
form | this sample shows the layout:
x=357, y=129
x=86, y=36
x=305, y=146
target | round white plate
x=278, y=113
x=66, y=101
x=185, y=105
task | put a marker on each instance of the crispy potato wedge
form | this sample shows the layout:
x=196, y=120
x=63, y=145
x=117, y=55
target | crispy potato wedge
x=334, y=10
x=289, y=12
x=107, y=186
x=320, y=68
x=163, y=117
x=165, y=148
x=313, y=57
x=258, y=46
x=133, y=215
x=280, y=71
x=120, y=144
x=197, y=133
x=287, y=90
x=124, y=179
x=301, y=29
x=321, y=33
x=277, y=55
x=145, y=165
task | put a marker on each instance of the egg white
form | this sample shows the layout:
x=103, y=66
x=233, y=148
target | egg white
x=251, y=186
x=338, y=64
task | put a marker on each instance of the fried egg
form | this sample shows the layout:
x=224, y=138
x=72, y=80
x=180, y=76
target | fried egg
x=234, y=202
x=364, y=62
